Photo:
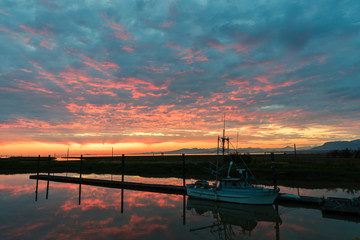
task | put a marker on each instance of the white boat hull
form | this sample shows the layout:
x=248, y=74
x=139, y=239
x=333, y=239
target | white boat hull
x=260, y=196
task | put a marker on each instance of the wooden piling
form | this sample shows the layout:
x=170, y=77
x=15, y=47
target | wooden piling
x=81, y=163
x=38, y=166
x=183, y=168
x=273, y=169
x=49, y=165
x=122, y=167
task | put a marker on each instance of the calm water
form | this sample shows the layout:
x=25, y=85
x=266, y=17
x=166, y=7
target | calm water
x=106, y=213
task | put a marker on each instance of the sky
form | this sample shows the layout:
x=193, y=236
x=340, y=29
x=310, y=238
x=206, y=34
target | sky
x=148, y=76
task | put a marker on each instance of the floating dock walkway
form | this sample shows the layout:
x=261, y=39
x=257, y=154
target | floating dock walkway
x=161, y=188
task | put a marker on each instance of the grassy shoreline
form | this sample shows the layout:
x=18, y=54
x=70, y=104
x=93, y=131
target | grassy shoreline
x=306, y=170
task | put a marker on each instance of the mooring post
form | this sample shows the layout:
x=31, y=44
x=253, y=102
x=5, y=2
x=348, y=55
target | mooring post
x=49, y=165
x=273, y=169
x=38, y=167
x=122, y=167
x=183, y=168
x=81, y=163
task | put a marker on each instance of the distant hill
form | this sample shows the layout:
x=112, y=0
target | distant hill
x=240, y=150
x=328, y=146
x=339, y=145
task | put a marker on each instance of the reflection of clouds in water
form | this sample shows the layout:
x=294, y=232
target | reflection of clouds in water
x=145, y=216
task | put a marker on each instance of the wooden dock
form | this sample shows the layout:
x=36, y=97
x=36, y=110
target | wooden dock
x=342, y=206
x=161, y=188
x=316, y=201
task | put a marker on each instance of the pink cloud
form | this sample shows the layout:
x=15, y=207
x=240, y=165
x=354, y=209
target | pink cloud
x=167, y=24
x=25, y=70
x=240, y=48
x=201, y=58
x=128, y=48
x=218, y=46
x=158, y=70
x=10, y=89
x=103, y=67
x=33, y=86
x=221, y=47
x=4, y=29
x=321, y=59
x=15, y=35
x=44, y=31
x=189, y=56
x=120, y=29
x=4, y=13
x=47, y=44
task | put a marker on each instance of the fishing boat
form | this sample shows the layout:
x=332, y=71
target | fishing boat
x=229, y=189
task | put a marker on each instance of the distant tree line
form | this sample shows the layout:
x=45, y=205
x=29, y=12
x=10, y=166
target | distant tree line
x=344, y=153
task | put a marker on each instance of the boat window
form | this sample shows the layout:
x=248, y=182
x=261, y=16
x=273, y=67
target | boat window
x=232, y=184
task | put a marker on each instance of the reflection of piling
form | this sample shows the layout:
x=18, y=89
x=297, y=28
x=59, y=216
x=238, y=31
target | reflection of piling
x=79, y=194
x=277, y=225
x=37, y=179
x=122, y=200
x=47, y=185
x=184, y=211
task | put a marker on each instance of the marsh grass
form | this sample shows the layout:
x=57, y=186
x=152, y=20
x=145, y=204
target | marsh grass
x=310, y=170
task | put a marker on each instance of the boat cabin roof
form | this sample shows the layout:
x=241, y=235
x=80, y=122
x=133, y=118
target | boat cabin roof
x=231, y=179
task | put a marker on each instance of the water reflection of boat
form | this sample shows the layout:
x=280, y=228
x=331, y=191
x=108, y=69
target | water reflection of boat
x=230, y=214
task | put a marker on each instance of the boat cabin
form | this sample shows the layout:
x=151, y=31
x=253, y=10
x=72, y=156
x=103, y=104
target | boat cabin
x=233, y=183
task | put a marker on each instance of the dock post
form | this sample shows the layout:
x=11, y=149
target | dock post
x=273, y=169
x=49, y=165
x=38, y=166
x=81, y=163
x=183, y=168
x=122, y=167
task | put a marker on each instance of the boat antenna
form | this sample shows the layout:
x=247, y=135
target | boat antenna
x=223, y=139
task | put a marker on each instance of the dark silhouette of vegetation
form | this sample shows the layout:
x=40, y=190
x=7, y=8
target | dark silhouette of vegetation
x=238, y=157
x=344, y=153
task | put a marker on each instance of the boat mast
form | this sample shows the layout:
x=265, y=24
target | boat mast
x=217, y=160
x=223, y=145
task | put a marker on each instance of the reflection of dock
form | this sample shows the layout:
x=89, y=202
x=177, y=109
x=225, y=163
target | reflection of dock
x=114, y=184
x=347, y=206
